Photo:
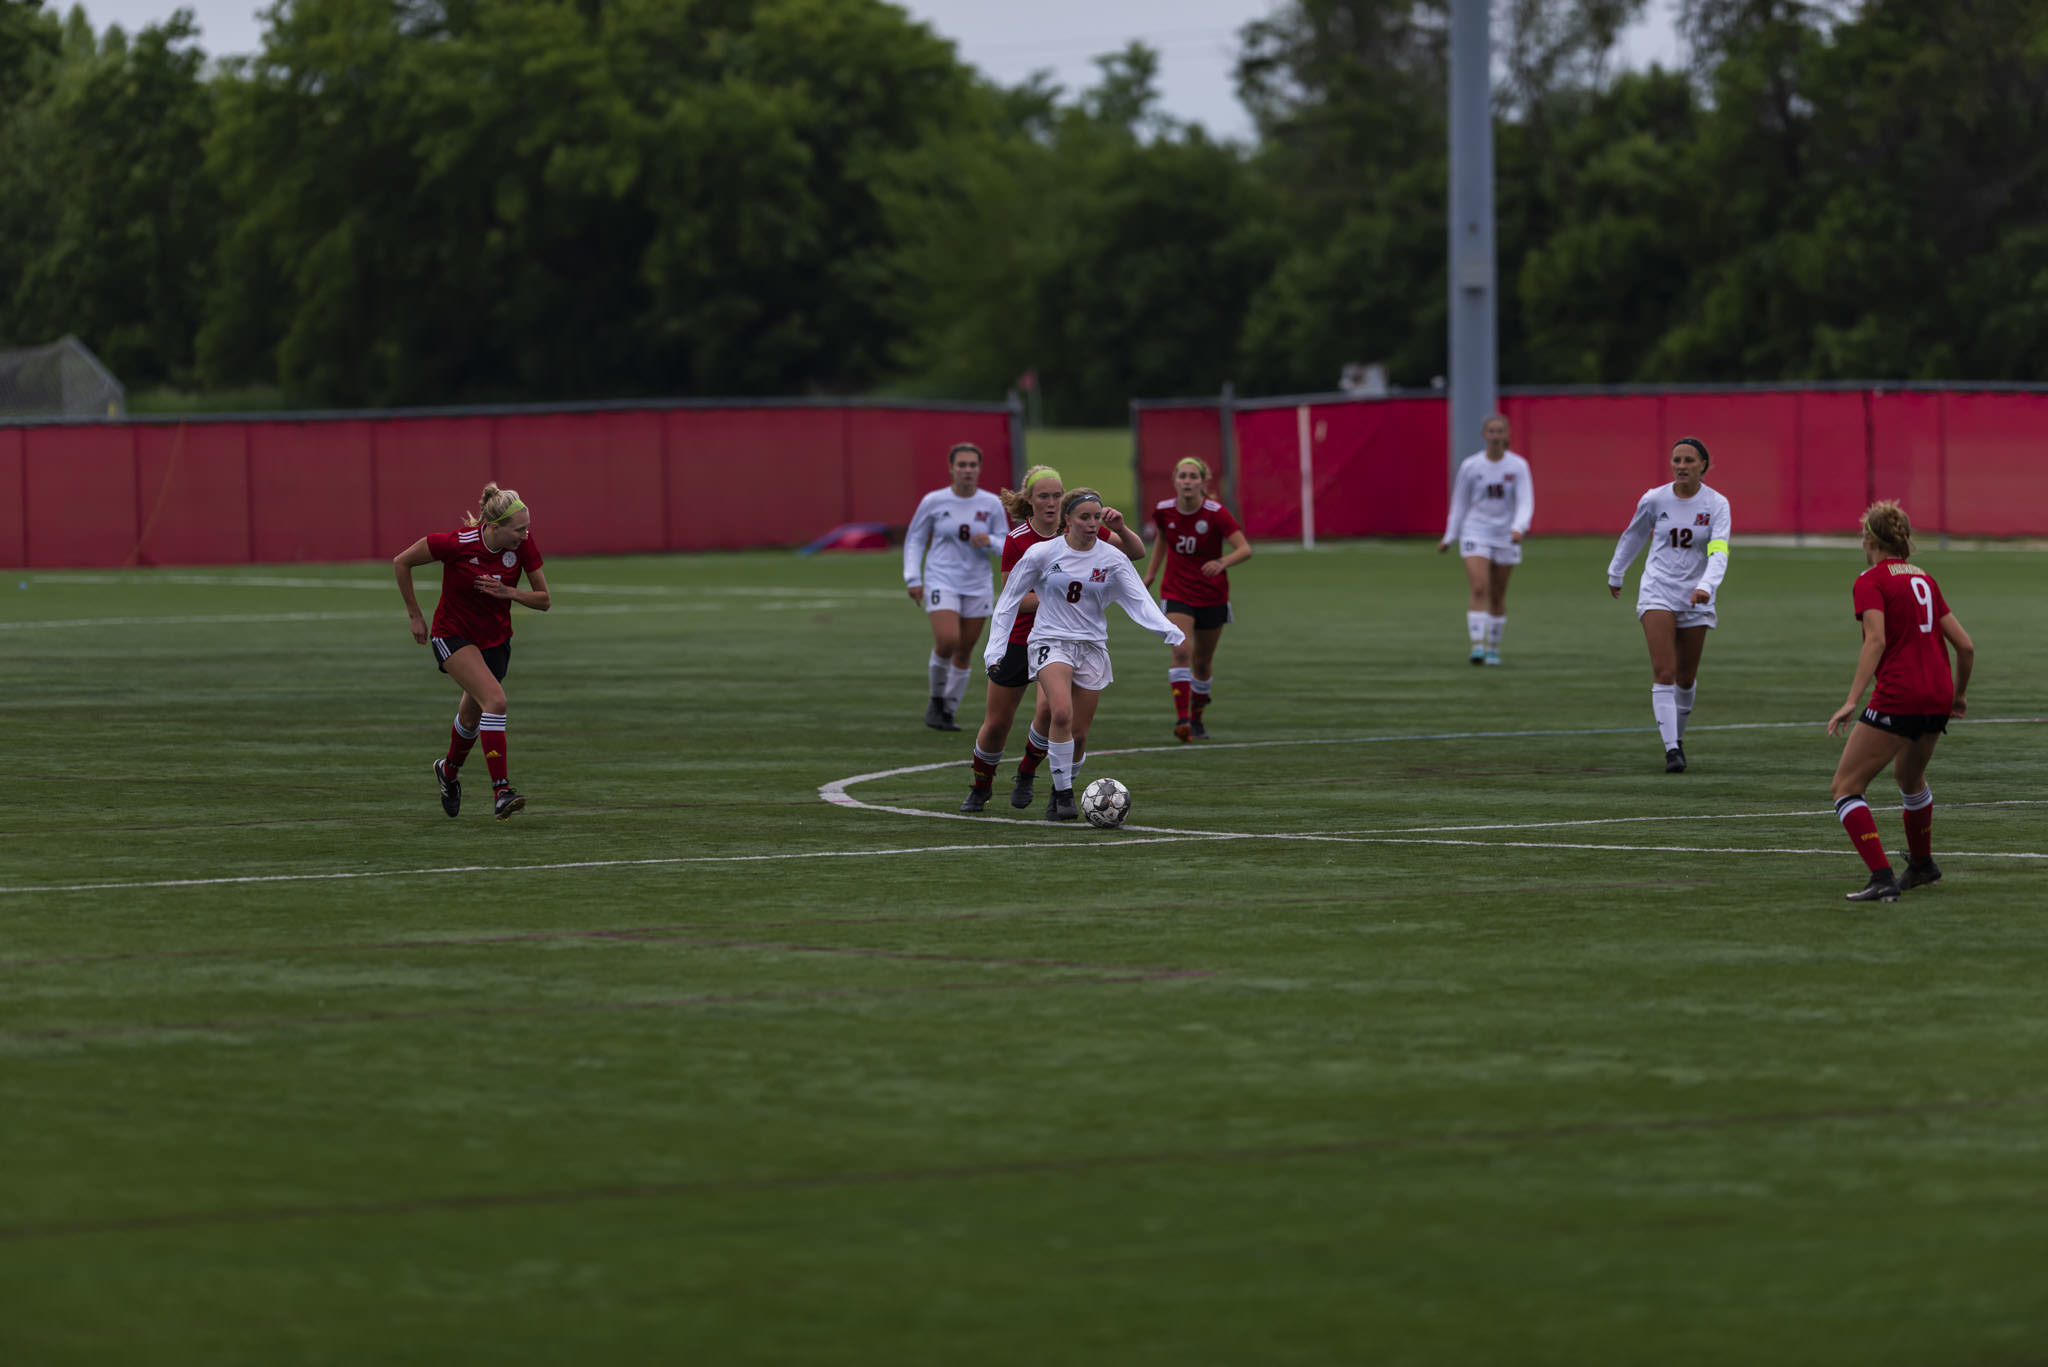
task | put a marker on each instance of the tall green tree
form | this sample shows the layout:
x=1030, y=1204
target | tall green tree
x=111, y=216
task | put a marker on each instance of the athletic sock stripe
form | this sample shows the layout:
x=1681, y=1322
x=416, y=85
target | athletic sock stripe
x=1914, y=802
x=1846, y=805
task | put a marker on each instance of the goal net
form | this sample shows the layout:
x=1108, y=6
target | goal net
x=61, y=380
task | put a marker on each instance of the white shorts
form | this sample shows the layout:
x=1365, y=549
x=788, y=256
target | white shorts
x=1690, y=615
x=1089, y=660
x=1509, y=553
x=967, y=605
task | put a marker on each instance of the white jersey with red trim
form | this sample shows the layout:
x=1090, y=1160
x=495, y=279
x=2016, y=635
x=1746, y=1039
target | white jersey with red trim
x=1075, y=589
x=939, y=550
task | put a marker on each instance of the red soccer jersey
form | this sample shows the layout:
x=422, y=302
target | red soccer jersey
x=476, y=617
x=1913, y=676
x=1022, y=538
x=1192, y=541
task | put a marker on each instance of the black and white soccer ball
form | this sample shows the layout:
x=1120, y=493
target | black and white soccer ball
x=1106, y=803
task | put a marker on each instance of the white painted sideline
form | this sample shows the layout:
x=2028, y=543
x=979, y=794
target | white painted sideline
x=1084, y=838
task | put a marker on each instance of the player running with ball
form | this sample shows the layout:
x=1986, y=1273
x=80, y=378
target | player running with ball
x=1076, y=576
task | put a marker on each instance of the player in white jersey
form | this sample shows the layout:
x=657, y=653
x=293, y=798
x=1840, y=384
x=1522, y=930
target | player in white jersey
x=955, y=537
x=1493, y=500
x=1685, y=525
x=1076, y=577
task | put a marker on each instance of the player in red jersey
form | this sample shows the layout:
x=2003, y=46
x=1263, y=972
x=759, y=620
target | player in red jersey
x=1905, y=622
x=1036, y=510
x=472, y=636
x=1194, y=531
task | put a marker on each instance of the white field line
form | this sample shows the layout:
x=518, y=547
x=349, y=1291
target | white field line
x=273, y=581
x=1699, y=816
x=238, y=618
x=835, y=792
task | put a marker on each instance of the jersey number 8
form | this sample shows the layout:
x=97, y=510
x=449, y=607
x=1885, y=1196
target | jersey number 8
x=1074, y=591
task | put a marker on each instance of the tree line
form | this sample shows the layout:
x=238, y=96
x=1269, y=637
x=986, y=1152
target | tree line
x=430, y=201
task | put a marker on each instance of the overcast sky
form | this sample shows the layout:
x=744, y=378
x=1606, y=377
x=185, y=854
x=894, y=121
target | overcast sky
x=1196, y=39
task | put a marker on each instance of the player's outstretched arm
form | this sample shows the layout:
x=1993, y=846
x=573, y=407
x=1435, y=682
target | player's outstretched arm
x=1867, y=660
x=1022, y=583
x=1966, y=659
x=403, y=565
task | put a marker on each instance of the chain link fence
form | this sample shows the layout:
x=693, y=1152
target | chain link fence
x=61, y=380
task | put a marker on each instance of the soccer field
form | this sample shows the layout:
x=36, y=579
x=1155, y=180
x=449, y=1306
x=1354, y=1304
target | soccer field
x=1417, y=1017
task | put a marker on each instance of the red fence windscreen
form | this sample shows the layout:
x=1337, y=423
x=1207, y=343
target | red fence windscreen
x=1791, y=462
x=281, y=489
x=1167, y=436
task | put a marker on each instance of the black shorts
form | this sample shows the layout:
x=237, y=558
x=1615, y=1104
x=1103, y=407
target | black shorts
x=1911, y=725
x=497, y=658
x=1014, y=671
x=1207, y=618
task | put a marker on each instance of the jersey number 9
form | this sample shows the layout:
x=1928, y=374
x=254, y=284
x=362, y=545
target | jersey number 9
x=1924, y=596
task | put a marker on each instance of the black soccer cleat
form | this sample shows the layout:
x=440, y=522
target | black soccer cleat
x=1199, y=731
x=451, y=788
x=507, y=803
x=935, y=716
x=1062, y=808
x=1674, y=760
x=1882, y=887
x=1020, y=791
x=1920, y=873
x=976, y=799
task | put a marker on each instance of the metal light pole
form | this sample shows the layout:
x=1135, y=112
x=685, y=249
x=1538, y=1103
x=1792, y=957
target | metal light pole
x=1474, y=345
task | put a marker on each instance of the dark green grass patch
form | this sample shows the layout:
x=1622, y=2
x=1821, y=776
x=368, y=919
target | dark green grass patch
x=1418, y=1017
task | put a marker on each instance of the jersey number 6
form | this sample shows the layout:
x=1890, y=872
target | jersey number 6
x=935, y=597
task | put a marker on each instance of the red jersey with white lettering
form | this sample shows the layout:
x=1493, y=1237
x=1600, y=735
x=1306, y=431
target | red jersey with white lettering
x=1022, y=538
x=1913, y=677
x=1192, y=541
x=477, y=617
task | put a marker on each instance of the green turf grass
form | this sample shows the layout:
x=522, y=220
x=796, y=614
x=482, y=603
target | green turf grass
x=1097, y=457
x=748, y=1077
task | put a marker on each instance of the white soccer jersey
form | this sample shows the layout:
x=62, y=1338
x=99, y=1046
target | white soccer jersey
x=939, y=550
x=1490, y=500
x=1688, y=540
x=1075, y=589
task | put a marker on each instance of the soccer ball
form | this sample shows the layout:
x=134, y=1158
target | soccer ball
x=1106, y=803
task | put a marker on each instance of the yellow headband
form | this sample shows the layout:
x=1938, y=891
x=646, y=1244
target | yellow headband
x=1038, y=472
x=517, y=504
x=1195, y=461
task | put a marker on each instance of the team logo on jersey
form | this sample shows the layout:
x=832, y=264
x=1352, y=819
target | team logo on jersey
x=981, y=516
x=473, y=560
x=1201, y=525
x=1702, y=520
x=1101, y=575
x=1662, y=516
x=1509, y=477
x=510, y=558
